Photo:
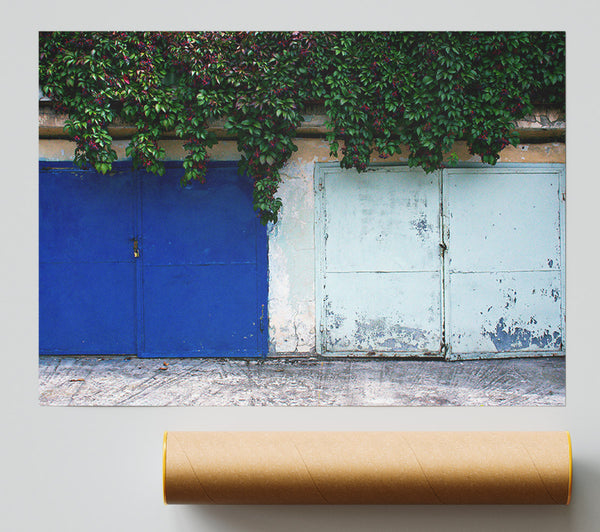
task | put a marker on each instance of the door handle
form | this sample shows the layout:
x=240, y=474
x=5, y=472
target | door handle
x=136, y=249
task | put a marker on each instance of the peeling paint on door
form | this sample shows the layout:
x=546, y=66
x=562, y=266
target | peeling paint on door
x=510, y=337
x=504, y=312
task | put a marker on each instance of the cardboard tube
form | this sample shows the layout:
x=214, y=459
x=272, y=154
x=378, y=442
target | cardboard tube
x=367, y=467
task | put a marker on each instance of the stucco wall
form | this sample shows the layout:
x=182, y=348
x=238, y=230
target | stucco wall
x=291, y=241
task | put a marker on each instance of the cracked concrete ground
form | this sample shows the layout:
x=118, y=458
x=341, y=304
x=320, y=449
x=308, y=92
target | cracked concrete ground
x=121, y=381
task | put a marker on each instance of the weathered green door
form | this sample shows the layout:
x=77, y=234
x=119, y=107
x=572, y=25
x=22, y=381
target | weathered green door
x=380, y=267
x=461, y=263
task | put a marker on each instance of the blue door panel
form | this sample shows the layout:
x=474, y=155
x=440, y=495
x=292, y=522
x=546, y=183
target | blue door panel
x=87, y=308
x=201, y=223
x=85, y=216
x=202, y=310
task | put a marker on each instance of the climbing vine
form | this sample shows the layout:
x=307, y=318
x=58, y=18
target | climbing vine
x=380, y=90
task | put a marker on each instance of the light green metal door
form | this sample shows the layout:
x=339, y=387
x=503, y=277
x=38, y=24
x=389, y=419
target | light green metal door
x=379, y=274
x=504, y=227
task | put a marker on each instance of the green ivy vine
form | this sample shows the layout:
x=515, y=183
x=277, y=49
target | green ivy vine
x=380, y=91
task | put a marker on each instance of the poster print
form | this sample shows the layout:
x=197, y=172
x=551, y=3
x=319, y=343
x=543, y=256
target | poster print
x=395, y=235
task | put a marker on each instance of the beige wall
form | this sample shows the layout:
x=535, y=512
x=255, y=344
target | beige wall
x=554, y=152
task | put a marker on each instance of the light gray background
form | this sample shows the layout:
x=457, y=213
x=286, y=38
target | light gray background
x=99, y=469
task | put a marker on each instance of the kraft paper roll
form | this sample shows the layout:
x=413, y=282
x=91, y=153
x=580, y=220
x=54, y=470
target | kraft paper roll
x=367, y=467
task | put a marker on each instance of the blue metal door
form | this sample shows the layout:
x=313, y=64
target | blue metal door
x=204, y=271
x=135, y=263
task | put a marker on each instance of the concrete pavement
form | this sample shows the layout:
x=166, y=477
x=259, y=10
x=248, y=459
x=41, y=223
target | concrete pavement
x=122, y=381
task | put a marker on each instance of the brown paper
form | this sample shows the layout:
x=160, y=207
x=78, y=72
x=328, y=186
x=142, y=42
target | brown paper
x=367, y=467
